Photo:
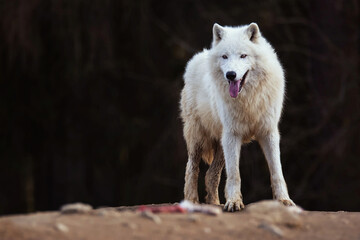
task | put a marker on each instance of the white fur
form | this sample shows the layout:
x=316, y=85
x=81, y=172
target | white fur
x=210, y=114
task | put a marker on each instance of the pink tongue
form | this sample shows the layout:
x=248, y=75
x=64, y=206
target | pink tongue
x=234, y=88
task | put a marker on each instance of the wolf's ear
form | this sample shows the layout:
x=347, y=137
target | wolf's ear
x=253, y=32
x=218, y=33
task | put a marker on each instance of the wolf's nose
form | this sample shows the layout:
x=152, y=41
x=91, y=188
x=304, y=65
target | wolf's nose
x=231, y=75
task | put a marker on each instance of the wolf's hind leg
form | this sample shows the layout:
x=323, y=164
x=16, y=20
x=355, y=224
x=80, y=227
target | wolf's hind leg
x=191, y=176
x=213, y=175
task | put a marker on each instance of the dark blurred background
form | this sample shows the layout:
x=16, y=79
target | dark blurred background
x=90, y=90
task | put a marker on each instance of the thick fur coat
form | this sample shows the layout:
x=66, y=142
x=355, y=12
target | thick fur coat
x=233, y=94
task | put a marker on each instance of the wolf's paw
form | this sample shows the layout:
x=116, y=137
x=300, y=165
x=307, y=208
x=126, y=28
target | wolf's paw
x=287, y=202
x=234, y=205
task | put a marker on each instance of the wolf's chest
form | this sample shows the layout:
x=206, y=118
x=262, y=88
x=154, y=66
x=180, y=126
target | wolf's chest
x=248, y=120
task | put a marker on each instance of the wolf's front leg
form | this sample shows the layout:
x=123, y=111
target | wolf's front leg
x=231, y=146
x=270, y=145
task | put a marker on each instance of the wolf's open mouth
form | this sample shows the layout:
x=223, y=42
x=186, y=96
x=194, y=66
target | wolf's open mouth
x=236, y=86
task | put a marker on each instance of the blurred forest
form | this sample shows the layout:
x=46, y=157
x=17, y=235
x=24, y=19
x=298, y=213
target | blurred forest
x=90, y=89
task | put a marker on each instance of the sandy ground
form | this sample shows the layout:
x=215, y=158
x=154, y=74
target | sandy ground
x=263, y=220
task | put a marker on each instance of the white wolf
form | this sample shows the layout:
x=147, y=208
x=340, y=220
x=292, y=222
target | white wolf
x=233, y=94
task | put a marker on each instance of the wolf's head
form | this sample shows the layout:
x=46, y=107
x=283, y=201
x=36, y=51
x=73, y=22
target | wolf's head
x=234, y=53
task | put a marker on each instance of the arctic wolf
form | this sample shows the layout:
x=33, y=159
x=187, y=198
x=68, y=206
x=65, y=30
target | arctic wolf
x=233, y=94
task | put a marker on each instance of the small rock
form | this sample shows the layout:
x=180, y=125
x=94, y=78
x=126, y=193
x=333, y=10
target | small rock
x=274, y=212
x=61, y=227
x=101, y=213
x=345, y=221
x=151, y=216
x=106, y=212
x=75, y=208
x=175, y=228
x=130, y=225
x=193, y=218
x=267, y=206
x=207, y=230
x=272, y=228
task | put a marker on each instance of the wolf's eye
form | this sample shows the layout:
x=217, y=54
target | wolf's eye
x=224, y=57
x=243, y=56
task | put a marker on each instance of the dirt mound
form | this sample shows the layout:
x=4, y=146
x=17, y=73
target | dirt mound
x=266, y=219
